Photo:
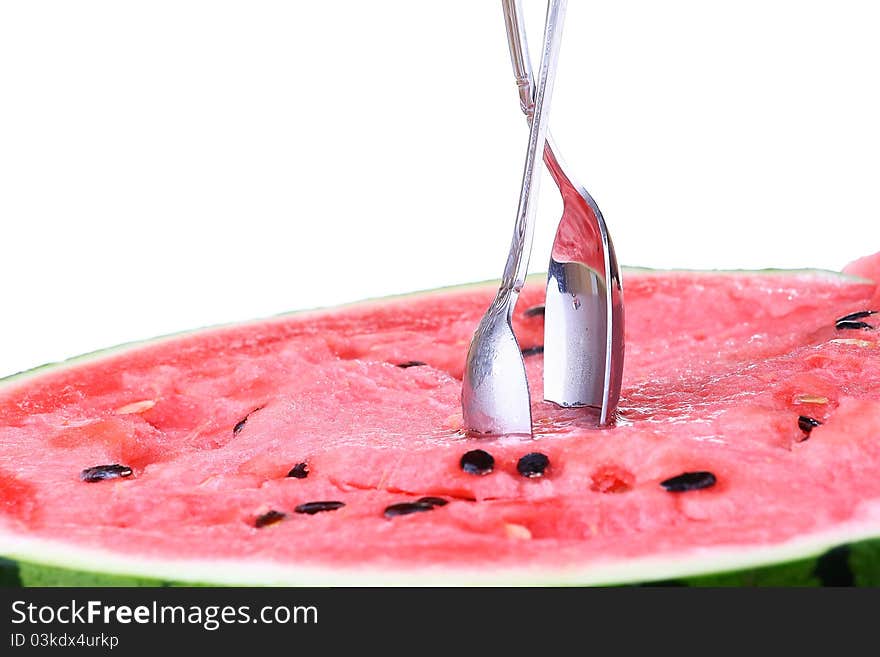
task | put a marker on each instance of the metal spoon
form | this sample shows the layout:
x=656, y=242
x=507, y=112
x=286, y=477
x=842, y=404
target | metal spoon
x=583, y=316
x=495, y=391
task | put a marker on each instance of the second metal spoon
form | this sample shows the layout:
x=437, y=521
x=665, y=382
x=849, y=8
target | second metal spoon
x=583, y=316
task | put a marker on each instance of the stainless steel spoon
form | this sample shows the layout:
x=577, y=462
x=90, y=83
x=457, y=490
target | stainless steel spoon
x=583, y=316
x=495, y=391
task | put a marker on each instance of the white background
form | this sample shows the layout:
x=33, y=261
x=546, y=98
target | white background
x=171, y=164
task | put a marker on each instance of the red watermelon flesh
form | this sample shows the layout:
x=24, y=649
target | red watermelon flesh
x=719, y=369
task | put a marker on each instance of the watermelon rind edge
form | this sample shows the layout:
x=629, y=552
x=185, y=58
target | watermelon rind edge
x=51, y=563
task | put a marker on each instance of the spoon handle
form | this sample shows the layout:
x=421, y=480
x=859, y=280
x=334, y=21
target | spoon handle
x=521, y=245
x=519, y=55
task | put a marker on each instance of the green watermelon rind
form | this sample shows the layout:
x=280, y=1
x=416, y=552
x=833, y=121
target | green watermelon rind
x=40, y=562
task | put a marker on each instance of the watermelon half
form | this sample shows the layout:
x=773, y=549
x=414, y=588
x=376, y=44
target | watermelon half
x=325, y=448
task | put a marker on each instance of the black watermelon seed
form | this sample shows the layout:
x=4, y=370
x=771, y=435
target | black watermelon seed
x=533, y=351
x=299, y=471
x=240, y=425
x=807, y=424
x=533, y=465
x=534, y=311
x=269, y=518
x=411, y=363
x=405, y=508
x=316, y=507
x=102, y=472
x=859, y=315
x=852, y=324
x=477, y=462
x=689, y=481
x=433, y=501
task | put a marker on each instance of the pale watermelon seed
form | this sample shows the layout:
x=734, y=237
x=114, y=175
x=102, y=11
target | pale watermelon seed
x=853, y=342
x=136, y=407
x=517, y=532
x=810, y=399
